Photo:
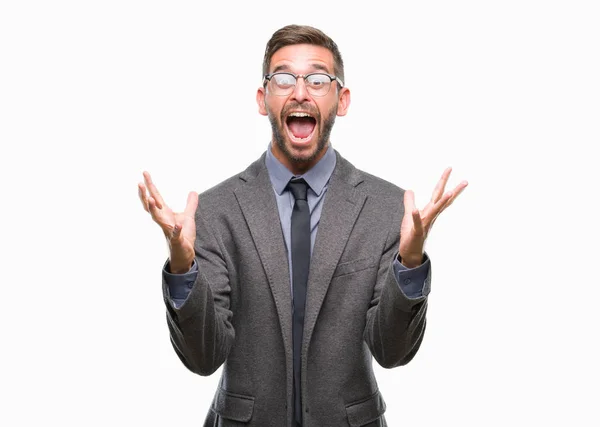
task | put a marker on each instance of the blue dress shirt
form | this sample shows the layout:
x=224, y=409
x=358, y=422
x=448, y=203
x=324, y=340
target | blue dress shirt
x=410, y=281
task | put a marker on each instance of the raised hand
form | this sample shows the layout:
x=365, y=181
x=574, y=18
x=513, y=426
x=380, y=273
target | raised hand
x=178, y=228
x=416, y=224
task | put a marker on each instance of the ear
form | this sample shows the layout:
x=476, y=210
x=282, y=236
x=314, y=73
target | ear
x=261, y=100
x=344, y=101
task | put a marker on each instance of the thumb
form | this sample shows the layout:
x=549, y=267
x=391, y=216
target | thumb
x=409, y=201
x=192, y=204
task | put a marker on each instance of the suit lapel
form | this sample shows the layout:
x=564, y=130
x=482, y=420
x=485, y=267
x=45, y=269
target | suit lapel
x=259, y=207
x=341, y=207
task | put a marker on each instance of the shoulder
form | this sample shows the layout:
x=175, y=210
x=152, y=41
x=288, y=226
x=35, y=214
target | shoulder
x=383, y=207
x=369, y=183
x=379, y=187
x=221, y=195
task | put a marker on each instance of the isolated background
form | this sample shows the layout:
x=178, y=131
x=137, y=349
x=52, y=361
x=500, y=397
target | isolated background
x=93, y=93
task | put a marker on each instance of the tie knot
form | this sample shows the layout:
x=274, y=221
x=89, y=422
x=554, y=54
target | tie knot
x=299, y=188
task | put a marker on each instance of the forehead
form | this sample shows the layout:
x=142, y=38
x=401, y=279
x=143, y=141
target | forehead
x=301, y=59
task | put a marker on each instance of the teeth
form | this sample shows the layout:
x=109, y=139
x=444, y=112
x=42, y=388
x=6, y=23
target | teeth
x=297, y=114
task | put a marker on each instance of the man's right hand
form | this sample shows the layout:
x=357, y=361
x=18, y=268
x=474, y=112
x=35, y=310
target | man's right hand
x=179, y=228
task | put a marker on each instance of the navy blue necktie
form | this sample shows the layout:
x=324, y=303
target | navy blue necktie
x=300, y=267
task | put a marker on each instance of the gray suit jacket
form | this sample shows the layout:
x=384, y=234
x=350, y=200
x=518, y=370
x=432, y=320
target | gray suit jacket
x=239, y=311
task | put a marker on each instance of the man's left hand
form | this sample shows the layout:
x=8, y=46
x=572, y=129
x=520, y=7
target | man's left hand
x=416, y=224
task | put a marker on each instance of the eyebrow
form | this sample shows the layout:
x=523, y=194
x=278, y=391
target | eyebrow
x=285, y=67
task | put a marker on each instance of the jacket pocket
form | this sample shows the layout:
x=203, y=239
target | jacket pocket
x=366, y=410
x=349, y=267
x=236, y=407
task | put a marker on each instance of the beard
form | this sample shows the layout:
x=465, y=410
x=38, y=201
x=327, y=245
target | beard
x=280, y=137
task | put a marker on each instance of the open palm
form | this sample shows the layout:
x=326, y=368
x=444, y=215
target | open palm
x=416, y=223
x=179, y=228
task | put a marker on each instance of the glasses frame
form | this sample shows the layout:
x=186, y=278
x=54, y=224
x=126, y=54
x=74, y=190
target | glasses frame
x=267, y=78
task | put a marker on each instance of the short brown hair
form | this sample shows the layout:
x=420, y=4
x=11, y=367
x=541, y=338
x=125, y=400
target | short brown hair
x=302, y=34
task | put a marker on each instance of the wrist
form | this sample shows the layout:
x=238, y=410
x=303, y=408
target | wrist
x=411, y=261
x=177, y=266
x=175, y=269
x=181, y=258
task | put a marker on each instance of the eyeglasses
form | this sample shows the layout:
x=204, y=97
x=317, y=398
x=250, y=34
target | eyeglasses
x=317, y=84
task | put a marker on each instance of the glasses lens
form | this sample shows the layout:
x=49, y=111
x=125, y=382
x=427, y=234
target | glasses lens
x=318, y=84
x=282, y=84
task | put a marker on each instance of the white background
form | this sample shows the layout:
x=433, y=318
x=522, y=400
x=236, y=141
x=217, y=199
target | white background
x=93, y=93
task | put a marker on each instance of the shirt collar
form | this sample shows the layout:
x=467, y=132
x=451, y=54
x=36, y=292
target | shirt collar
x=316, y=177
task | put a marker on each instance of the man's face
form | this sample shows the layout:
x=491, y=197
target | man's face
x=299, y=141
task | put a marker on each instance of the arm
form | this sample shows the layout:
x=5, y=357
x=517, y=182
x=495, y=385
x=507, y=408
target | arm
x=395, y=322
x=200, y=328
x=199, y=321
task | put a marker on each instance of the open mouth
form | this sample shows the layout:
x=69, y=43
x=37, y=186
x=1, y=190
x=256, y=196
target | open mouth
x=300, y=126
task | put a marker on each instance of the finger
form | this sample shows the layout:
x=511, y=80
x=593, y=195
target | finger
x=192, y=204
x=142, y=196
x=440, y=210
x=450, y=196
x=152, y=208
x=153, y=190
x=437, y=208
x=409, y=201
x=441, y=185
x=418, y=225
x=459, y=189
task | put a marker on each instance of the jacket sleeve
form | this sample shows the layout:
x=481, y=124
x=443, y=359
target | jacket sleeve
x=200, y=329
x=395, y=322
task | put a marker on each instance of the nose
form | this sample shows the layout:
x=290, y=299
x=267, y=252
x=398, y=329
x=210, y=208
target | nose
x=300, y=94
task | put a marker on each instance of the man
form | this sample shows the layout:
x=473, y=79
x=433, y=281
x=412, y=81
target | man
x=295, y=272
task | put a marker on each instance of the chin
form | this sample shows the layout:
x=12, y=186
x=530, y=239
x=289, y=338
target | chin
x=302, y=150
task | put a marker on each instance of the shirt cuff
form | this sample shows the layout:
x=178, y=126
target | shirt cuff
x=180, y=285
x=412, y=280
